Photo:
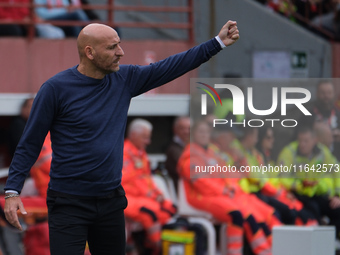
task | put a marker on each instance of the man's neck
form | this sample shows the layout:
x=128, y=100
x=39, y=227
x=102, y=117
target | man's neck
x=90, y=73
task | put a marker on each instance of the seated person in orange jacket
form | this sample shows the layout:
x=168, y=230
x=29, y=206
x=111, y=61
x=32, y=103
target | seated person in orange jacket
x=146, y=204
x=213, y=195
x=265, y=215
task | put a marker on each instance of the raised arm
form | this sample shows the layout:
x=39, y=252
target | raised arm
x=144, y=78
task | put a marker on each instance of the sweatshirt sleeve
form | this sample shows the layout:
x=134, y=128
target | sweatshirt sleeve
x=144, y=78
x=36, y=129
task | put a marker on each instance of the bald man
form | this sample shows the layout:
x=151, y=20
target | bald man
x=85, y=109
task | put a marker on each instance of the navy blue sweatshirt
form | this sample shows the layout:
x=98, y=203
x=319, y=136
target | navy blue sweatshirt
x=87, y=119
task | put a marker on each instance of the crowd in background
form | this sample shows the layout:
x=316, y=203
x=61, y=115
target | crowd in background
x=308, y=198
x=312, y=14
x=250, y=204
x=56, y=10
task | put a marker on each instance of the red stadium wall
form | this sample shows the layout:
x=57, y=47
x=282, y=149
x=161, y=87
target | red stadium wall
x=25, y=65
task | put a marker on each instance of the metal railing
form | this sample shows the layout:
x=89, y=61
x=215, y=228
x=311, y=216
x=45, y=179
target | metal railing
x=111, y=8
x=321, y=30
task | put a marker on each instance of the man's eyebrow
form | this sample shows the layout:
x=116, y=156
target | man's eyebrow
x=114, y=44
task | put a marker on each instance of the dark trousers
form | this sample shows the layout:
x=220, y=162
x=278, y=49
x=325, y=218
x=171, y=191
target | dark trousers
x=320, y=206
x=286, y=215
x=73, y=221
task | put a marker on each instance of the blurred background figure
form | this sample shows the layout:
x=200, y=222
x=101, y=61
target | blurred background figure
x=18, y=124
x=90, y=13
x=324, y=135
x=60, y=10
x=223, y=137
x=22, y=13
x=331, y=19
x=325, y=110
x=35, y=239
x=215, y=196
x=13, y=14
x=319, y=195
x=181, y=130
x=291, y=210
x=146, y=203
x=265, y=144
x=10, y=238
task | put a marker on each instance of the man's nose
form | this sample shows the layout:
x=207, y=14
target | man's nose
x=120, y=51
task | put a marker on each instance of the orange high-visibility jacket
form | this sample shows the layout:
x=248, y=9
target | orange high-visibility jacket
x=195, y=156
x=136, y=178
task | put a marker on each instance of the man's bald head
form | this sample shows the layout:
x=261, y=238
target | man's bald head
x=99, y=50
x=93, y=34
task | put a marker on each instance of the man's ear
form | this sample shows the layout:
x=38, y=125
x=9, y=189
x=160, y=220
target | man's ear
x=89, y=51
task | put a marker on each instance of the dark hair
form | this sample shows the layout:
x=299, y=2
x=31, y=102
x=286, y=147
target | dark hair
x=262, y=134
x=305, y=129
x=245, y=131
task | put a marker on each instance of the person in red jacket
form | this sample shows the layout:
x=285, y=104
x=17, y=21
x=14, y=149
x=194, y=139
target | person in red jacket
x=14, y=13
x=215, y=196
x=146, y=203
x=11, y=13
